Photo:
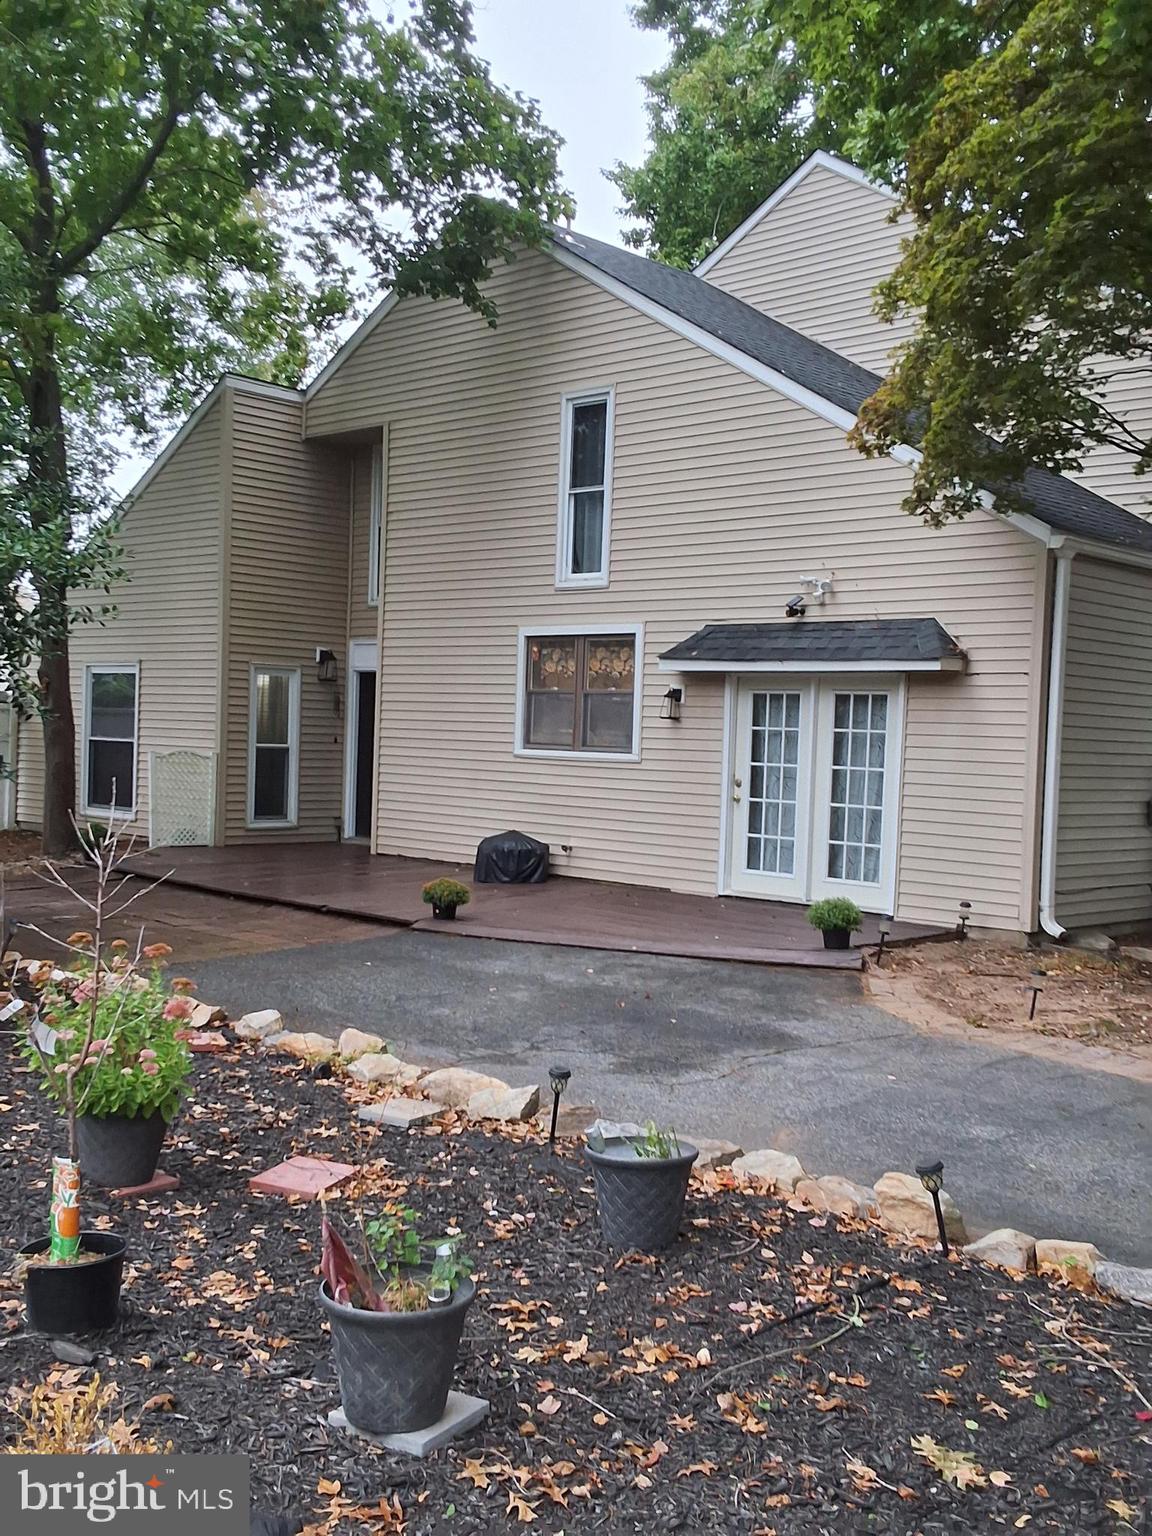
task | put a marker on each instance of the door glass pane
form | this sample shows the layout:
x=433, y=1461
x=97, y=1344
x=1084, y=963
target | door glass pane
x=270, y=788
x=272, y=695
x=856, y=819
x=772, y=781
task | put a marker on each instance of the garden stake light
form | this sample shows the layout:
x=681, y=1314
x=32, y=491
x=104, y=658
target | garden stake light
x=1039, y=976
x=558, y=1078
x=885, y=928
x=962, y=923
x=931, y=1175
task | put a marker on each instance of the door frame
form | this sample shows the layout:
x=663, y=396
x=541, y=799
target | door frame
x=363, y=656
x=814, y=687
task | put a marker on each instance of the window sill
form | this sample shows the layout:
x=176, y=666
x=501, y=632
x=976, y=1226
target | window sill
x=106, y=813
x=558, y=754
x=270, y=826
x=582, y=584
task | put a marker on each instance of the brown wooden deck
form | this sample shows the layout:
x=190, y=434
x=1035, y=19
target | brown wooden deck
x=345, y=879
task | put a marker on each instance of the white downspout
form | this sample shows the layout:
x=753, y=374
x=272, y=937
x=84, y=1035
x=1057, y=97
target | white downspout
x=1053, y=739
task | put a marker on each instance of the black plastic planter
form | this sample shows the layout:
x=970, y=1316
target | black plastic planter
x=75, y=1298
x=120, y=1151
x=445, y=913
x=395, y=1368
x=640, y=1200
x=837, y=938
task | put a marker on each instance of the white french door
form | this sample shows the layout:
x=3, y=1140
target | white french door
x=814, y=789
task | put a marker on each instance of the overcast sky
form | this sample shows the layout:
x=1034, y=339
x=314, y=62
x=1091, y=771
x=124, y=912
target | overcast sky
x=582, y=61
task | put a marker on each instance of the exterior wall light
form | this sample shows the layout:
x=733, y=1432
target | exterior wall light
x=670, y=704
x=931, y=1175
x=558, y=1079
x=326, y=668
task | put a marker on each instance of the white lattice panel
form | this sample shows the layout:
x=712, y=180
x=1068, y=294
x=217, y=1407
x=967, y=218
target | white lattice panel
x=183, y=798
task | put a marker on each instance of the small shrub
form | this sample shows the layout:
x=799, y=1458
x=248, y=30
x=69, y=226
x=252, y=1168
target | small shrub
x=446, y=893
x=835, y=912
x=59, y=1420
x=656, y=1143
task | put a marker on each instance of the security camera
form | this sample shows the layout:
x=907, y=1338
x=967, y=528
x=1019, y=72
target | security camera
x=795, y=606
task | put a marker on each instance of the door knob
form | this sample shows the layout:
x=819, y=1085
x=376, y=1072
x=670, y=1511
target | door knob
x=736, y=796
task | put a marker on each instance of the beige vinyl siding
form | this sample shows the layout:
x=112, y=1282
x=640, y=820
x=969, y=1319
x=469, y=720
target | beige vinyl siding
x=725, y=495
x=30, y=772
x=362, y=615
x=1109, y=471
x=287, y=588
x=813, y=261
x=167, y=615
x=1104, y=859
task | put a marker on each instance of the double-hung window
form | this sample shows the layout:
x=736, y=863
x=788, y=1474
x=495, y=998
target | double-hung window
x=585, y=490
x=579, y=693
x=274, y=746
x=111, y=719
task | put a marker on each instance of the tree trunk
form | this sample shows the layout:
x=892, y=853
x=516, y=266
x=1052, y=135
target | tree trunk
x=48, y=471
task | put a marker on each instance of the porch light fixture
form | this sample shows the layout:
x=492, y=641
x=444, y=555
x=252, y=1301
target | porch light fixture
x=1036, y=983
x=558, y=1079
x=884, y=927
x=670, y=704
x=326, y=668
x=962, y=920
x=931, y=1175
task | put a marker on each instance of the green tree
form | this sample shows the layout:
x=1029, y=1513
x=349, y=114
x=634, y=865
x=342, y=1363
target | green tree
x=754, y=86
x=189, y=187
x=1031, y=261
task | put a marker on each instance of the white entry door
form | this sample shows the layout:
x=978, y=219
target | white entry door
x=814, y=789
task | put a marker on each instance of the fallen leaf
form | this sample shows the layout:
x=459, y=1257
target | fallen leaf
x=163, y=1402
x=957, y=1467
x=1122, y=1508
x=698, y=1468
x=549, y=1405
x=520, y=1507
x=999, y=1479
x=1085, y=1455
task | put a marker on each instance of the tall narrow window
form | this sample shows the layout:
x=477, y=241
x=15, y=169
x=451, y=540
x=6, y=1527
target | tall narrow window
x=586, y=491
x=110, y=738
x=274, y=737
x=579, y=693
x=375, y=522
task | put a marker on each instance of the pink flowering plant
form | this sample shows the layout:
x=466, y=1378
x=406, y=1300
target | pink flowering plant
x=116, y=1037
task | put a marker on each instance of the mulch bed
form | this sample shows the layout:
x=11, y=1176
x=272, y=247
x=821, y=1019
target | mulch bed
x=628, y=1394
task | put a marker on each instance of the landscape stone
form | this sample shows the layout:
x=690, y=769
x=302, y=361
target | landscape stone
x=203, y=1042
x=258, y=1026
x=358, y=1042
x=714, y=1154
x=383, y=1067
x=504, y=1103
x=461, y=1413
x=71, y=1353
x=906, y=1207
x=400, y=1114
x=1137, y=952
x=614, y=1130
x=308, y=1046
x=837, y=1195
x=1093, y=940
x=1125, y=1281
x=1006, y=1247
x=573, y=1119
x=456, y=1085
x=1054, y=1255
x=204, y=1014
x=306, y=1177
x=779, y=1170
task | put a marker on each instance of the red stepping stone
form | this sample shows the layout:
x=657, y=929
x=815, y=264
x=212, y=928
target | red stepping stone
x=158, y=1184
x=305, y=1177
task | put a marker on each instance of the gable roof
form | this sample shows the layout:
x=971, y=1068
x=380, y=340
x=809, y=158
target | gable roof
x=825, y=381
x=821, y=160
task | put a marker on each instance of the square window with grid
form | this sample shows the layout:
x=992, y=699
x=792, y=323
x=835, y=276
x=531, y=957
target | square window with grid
x=772, y=785
x=856, y=816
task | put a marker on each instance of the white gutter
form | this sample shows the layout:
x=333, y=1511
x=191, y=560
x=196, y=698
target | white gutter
x=1053, y=738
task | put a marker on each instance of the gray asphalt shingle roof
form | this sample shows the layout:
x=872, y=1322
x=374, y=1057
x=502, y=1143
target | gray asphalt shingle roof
x=818, y=640
x=1061, y=503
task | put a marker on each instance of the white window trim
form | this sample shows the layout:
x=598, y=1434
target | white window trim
x=565, y=580
x=375, y=523
x=293, y=675
x=102, y=812
x=605, y=627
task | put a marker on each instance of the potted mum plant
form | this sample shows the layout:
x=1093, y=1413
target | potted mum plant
x=641, y=1184
x=106, y=1041
x=836, y=918
x=396, y=1314
x=444, y=896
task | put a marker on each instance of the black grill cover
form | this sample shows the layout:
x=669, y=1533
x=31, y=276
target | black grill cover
x=511, y=858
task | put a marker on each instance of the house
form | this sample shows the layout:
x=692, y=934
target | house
x=609, y=573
